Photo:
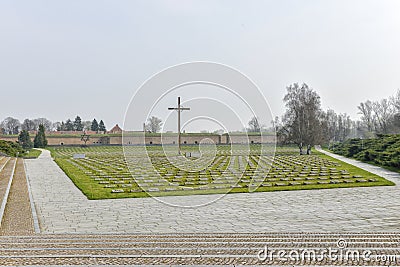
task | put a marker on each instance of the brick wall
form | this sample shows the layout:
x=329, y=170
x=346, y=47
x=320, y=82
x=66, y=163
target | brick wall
x=155, y=140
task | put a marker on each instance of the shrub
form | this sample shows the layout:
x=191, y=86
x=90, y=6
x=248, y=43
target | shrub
x=10, y=148
x=384, y=150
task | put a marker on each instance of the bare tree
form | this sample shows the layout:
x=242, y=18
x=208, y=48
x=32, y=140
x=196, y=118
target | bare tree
x=56, y=126
x=47, y=124
x=87, y=125
x=332, y=125
x=396, y=121
x=154, y=124
x=338, y=126
x=28, y=125
x=254, y=125
x=10, y=125
x=303, y=117
x=383, y=112
x=282, y=133
x=344, y=127
x=395, y=101
x=366, y=110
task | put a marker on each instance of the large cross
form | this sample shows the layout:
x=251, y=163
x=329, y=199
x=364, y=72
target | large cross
x=179, y=109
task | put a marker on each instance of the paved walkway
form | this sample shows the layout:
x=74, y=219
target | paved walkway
x=62, y=208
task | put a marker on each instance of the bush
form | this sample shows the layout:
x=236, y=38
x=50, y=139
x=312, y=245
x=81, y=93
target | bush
x=384, y=150
x=10, y=148
x=352, y=150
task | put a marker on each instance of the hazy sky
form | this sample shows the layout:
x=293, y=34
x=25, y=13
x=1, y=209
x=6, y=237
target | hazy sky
x=63, y=58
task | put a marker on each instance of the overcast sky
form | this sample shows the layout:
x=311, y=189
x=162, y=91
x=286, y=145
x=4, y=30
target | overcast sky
x=63, y=58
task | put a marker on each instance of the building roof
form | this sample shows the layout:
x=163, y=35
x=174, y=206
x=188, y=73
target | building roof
x=116, y=129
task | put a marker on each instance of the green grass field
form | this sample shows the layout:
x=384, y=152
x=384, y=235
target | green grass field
x=106, y=173
x=32, y=154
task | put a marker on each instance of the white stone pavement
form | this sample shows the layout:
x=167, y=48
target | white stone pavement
x=62, y=208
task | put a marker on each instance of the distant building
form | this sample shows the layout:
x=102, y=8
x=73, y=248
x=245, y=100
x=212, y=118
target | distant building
x=115, y=130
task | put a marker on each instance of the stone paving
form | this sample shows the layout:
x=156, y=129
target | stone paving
x=62, y=208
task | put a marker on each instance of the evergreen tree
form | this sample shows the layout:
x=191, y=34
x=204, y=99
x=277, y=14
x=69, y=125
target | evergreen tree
x=102, y=127
x=40, y=138
x=78, y=126
x=24, y=140
x=95, y=125
x=61, y=127
x=69, y=126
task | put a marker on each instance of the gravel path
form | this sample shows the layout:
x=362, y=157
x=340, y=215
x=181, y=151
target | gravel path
x=17, y=219
x=2, y=161
x=5, y=173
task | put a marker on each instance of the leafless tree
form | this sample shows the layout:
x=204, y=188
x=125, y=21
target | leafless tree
x=395, y=101
x=48, y=125
x=366, y=110
x=10, y=125
x=56, y=126
x=345, y=125
x=28, y=125
x=254, y=125
x=154, y=124
x=87, y=125
x=339, y=126
x=303, y=117
x=332, y=125
x=383, y=112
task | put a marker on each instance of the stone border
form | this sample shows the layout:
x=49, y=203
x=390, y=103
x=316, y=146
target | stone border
x=36, y=224
x=4, y=203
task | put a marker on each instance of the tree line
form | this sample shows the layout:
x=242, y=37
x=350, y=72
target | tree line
x=306, y=124
x=380, y=117
x=12, y=125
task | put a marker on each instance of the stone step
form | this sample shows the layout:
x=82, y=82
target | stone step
x=204, y=249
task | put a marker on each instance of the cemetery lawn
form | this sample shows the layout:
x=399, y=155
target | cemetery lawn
x=104, y=174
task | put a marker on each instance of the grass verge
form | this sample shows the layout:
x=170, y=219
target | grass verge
x=32, y=154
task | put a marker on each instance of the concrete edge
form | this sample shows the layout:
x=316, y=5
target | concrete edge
x=36, y=225
x=4, y=203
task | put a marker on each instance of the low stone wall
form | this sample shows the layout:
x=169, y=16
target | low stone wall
x=249, y=139
x=165, y=139
x=190, y=139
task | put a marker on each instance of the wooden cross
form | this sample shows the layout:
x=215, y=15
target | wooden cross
x=179, y=109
